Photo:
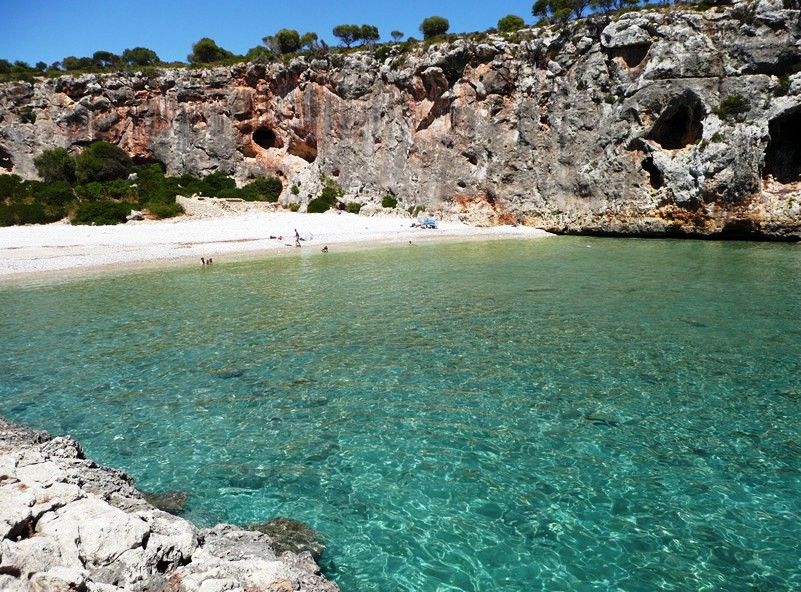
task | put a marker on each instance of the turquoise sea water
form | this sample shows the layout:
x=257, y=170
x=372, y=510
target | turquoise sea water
x=566, y=414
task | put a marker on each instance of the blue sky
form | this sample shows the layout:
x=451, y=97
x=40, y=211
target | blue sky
x=48, y=30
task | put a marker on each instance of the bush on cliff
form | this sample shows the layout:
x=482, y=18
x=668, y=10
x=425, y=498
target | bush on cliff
x=347, y=34
x=511, y=23
x=733, y=108
x=140, y=56
x=284, y=41
x=206, y=51
x=328, y=197
x=434, y=26
x=55, y=165
x=102, y=161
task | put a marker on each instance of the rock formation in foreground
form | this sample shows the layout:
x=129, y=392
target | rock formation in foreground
x=67, y=524
x=670, y=121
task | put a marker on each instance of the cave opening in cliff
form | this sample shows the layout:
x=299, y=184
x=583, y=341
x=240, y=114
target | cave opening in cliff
x=5, y=159
x=680, y=124
x=266, y=138
x=783, y=155
x=655, y=175
x=632, y=55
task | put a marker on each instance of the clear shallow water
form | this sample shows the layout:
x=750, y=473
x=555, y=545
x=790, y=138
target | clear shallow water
x=569, y=414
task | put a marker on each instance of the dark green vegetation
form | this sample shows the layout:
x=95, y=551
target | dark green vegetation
x=328, y=198
x=349, y=34
x=136, y=57
x=733, y=108
x=206, y=51
x=101, y=185
x=511, y=23
x=389, y=201
x=434, y=26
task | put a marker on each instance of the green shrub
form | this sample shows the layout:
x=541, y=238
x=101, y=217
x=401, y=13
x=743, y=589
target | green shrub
x=206, y=51
x=101, y=213
x=434, y=26
x=354, y=207
x=28, y=213
x=216, y=182
x=152, y=185
x=11, y=186
x=163, y=210
x=389, y=202
x=119, y=189
x=57, y=193
x=330, y=194
x=511, y=23
x=90, y=192
x=733, y=108
x=102, y=161
x=295, y=189
x=266, y=188
x=318, y=205
x=328, y=197
x=382, y=52
x=294, y=206
x=55, y=165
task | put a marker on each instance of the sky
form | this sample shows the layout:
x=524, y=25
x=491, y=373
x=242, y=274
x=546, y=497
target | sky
x=49, y=30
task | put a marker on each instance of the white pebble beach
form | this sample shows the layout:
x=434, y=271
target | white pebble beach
x=61, y=247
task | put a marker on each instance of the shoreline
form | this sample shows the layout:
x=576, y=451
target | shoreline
x=67, y=523
x=62, y=251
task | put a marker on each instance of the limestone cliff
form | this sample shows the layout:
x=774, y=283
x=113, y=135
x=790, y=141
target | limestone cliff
x=672, y=121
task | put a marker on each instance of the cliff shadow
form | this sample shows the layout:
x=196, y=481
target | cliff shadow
x=6, y=163
x=680, y=123
x=783, y=154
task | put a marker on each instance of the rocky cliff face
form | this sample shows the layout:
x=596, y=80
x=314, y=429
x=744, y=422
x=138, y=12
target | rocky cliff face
x=661, y=122
x=69, y=524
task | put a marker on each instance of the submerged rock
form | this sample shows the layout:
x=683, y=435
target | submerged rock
x=168, y=501
x=290, y=535
x=68, y=524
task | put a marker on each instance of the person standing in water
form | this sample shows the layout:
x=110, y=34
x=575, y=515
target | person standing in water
x=297, y=238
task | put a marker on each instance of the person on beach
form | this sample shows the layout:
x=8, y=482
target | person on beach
x=297, y=238
x=324, y=249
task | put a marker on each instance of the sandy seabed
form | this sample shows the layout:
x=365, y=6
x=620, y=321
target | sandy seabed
x=60, y=247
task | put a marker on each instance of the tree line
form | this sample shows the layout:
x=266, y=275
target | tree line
x=287, y=41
